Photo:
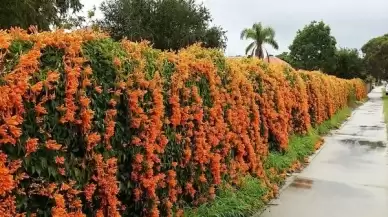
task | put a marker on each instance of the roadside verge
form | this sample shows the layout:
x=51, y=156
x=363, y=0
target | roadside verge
x=251, y=195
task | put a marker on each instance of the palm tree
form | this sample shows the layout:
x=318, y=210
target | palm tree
x=260, y=36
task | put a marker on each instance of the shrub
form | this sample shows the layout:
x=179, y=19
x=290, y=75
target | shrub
x=93, y=127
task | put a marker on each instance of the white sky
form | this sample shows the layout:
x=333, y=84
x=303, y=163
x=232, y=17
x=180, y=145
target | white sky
x=353, y=22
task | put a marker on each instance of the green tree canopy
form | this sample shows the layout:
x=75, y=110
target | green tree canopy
x=314, y=48
x=260, y=35
x=376, y=56
x=168, y=24
x=285, y=56
x=42, y=13
x=349, y=64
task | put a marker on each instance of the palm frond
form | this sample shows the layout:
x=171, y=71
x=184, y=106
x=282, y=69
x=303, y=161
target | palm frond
x=247, y=33
x=257, y=27
x=253, y=52
x=260, y=35
x=250, y=47
x=272, y=42
x=269, y=32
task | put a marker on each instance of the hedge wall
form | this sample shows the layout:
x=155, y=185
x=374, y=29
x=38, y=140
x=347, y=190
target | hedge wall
x=93, y=127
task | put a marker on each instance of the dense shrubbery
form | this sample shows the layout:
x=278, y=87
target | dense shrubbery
x=92, y=127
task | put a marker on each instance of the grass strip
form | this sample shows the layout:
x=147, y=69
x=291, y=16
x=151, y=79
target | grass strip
x=248, y=199
x=385, y=105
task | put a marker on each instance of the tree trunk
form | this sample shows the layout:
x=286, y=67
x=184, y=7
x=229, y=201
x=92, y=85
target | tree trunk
x=259, y=52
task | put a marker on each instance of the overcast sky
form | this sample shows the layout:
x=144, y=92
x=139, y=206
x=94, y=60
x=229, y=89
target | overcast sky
x=353, y=22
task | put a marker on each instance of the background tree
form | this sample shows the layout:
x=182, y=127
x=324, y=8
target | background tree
x=314, y=48
x=74, y=21
x=214, y=37
x=42, y=13
x=168, y=24
x=260, y=36
x=349, y=64
x=376, y=57
x=285, y=56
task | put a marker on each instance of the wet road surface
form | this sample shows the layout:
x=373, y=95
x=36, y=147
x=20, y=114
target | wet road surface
x=348, y=177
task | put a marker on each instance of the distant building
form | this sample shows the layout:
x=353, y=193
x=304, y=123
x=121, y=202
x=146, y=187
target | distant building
x=269, y=59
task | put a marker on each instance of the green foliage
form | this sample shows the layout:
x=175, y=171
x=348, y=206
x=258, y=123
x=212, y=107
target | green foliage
x=232, y=202
x=215, y=37
x=16, y=49
x=299, y=148
x=335, y=122
x=260, y=35
x=285, y=56
x=376, y=56
x=314, y=48
x=101, y=54
x=76, y=21
x=385, y=105
x=168, y=24
x=42, y=13
x=248, y=199
x=41, y=165
x=349, y=64
x=115, y=64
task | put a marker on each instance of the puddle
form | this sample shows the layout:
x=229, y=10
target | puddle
x=302, y=183
x=375, y=127
x=346, y=134
x=370, y=144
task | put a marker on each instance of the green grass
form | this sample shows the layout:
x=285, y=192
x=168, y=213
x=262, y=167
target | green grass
x=302, y=146
x=385, y=100
x=232, y=202
x=335, y=122
x=247, y=200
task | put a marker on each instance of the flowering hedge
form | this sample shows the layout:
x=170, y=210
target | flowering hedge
x=93, y=127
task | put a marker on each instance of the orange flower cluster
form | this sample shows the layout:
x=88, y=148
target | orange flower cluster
x=137, y=131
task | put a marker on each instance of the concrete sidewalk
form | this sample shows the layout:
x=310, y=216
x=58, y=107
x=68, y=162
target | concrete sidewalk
x=349, y=176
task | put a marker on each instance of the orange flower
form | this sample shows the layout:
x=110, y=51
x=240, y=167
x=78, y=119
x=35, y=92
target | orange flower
x=179, y=213
x=122, y=85
x=40, y=110
x=98, y=89
x=61, y=108
x=60, y=209
x=139, y=158
x=190, y=189
x=86, y=83
x=116, y=62
x=52, y=145
x=36, y=88
x=154, y=211
x=31, y=145
x=112, y=102
x=221, y=114
x=212, y=193
x=137, y=194
x=15, y=131
x=62, y=171
x=92, y=140
x=216, y=169
x=60, y=160
x=89, y=191
x=106, y=181
x=6, y=179
x=202, y=178
x=84, y=101
x=52, y=76
x=88, y=70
